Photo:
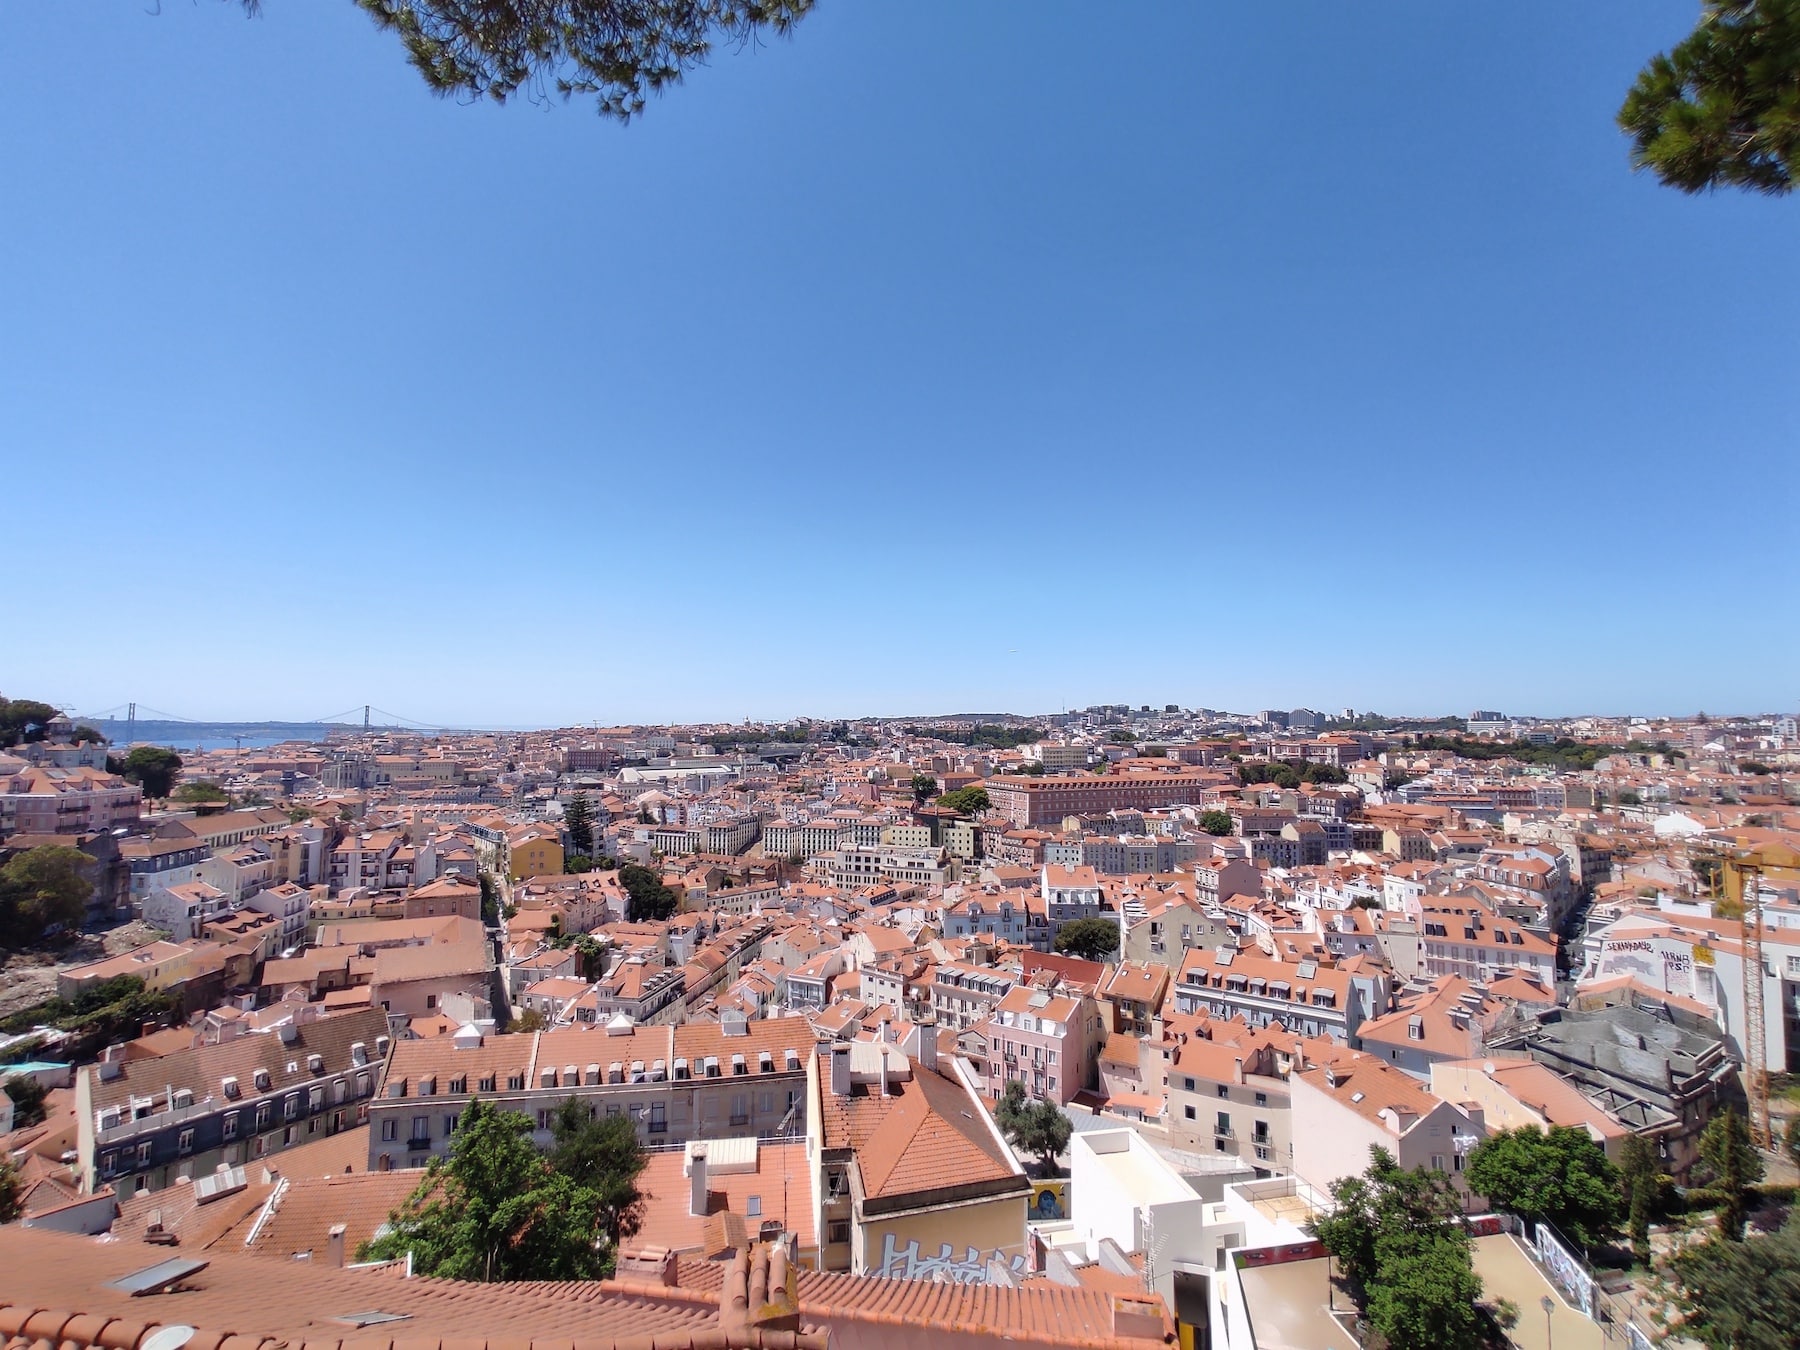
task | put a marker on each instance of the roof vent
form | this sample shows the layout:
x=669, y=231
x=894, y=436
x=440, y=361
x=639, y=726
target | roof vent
x=315, y=1063
x=289, y=1033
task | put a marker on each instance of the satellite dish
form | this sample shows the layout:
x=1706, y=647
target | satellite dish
x=167, y=1338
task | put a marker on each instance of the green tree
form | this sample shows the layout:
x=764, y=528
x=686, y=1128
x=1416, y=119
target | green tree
x=590, y=956
x=1032, y=768
x=1790, y=1140
x=1722, y=108
x=200, y=790
x=1735, y=1166
x=11, y=1190
x=923, y=786
x=1216, y=822
x=151, y=767
x=43, y=888
x=1743, y=1295
x=1425, y=1298
x=1035, y=1127
x=649, y=900
x=1089, y=939
x=24, y=719
x=578, y=819
x=603, y=1155
x=495, y=1209
x=490, y=897
x=1643, y=1184
x=1560, y=1174
x=526, y=1022
x=27, y=1098
x=618, y=52
x=1384, y=1196
x=577, y=863
x=1398, y=1238
x=969, y=801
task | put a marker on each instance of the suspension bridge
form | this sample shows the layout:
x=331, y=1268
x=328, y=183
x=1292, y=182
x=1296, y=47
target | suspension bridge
x=367, y=718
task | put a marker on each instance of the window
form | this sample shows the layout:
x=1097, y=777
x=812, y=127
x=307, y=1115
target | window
x=421, y=1128
x=185, y=1142
x=838, y=1230
x=1437, y=1162
x=1222, y=1124
x=1189, y=1111
x=543, y=1118
x=1188, y=1084
x=450, y=1119
x=1224, y=1091
x=390, y=1129
x=231, y=1125
x=290, y=1108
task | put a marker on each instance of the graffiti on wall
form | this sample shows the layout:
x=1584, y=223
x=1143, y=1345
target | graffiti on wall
x=1566, y=1270
x=908, y=1263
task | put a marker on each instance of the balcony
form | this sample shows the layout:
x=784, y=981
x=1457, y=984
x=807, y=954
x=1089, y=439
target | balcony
x=740, y=1120
x=418, y=1145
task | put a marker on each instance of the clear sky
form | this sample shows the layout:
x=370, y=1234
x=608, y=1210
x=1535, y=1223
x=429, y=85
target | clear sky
x=948, y=357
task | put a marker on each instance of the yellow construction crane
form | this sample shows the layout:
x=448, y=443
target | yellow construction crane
x=1739, y=879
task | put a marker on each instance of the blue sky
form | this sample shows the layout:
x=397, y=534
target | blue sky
x=949, y=356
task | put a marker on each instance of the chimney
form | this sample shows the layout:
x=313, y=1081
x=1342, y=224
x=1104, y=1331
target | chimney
x=334, y=1246
x=840, y=1071
x=697, y=1181
x=1137, y=1319
x=656, y=1265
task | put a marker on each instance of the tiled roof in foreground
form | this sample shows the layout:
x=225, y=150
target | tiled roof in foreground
x=60, y=1294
